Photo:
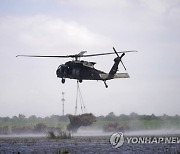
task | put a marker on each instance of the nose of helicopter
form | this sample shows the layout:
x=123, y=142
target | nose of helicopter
x=58, y=71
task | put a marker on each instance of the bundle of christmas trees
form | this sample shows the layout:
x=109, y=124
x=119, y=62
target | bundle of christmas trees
x=77, y=121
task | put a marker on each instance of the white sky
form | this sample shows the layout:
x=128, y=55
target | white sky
x=61, y=27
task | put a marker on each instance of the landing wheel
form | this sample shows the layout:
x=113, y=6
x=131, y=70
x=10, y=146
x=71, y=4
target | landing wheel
x=63, y=80
x=80, y=81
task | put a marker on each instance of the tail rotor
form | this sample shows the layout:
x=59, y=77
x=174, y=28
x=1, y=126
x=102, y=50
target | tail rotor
x=120, y=57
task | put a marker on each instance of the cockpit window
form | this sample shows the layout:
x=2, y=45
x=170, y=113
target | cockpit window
x=59, y=66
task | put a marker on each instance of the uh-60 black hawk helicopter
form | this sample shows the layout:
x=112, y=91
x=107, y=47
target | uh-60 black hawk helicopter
x=84, y=70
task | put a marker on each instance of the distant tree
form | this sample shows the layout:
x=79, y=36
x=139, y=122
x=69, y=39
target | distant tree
x=64, y=118
x=21, y=116
x=55, y=118
x=47, y=119
x=33, y=118
x=134, y=115
x=111, y=116
x=165, y=117
x=124, y=117
x=100, y=117
x=5, y=119
x=153, y=117
x=15, y=118
x=177, y=117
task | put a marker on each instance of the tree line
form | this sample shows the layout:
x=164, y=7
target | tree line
x=109, y=117
x=110, y=122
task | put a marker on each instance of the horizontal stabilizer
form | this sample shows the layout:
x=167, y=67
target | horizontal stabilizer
x=121, y=75
x=117, y=75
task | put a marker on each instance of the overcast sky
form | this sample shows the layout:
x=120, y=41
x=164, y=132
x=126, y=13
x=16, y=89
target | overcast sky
x=60, y=27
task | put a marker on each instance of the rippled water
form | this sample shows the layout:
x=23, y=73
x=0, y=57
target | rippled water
x=162, y=132
x=86, y=142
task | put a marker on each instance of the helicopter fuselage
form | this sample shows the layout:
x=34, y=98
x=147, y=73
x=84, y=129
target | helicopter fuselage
x=84, y=70
x=80, y=70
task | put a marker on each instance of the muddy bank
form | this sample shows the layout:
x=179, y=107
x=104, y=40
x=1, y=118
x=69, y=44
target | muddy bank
x=85, y=144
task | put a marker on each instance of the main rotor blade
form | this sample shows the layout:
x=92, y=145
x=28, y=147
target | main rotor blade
x=48, y=56
x=81, y=54
x=108, y=53
x=42, y=56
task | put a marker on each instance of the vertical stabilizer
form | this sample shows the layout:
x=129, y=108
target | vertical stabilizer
x=114, y=68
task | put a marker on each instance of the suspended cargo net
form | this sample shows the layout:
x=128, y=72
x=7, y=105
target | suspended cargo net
x=77, y=121
x=85, y=119
x=79, y=99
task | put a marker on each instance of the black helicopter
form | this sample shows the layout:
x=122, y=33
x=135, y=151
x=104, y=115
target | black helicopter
x=84, y=70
